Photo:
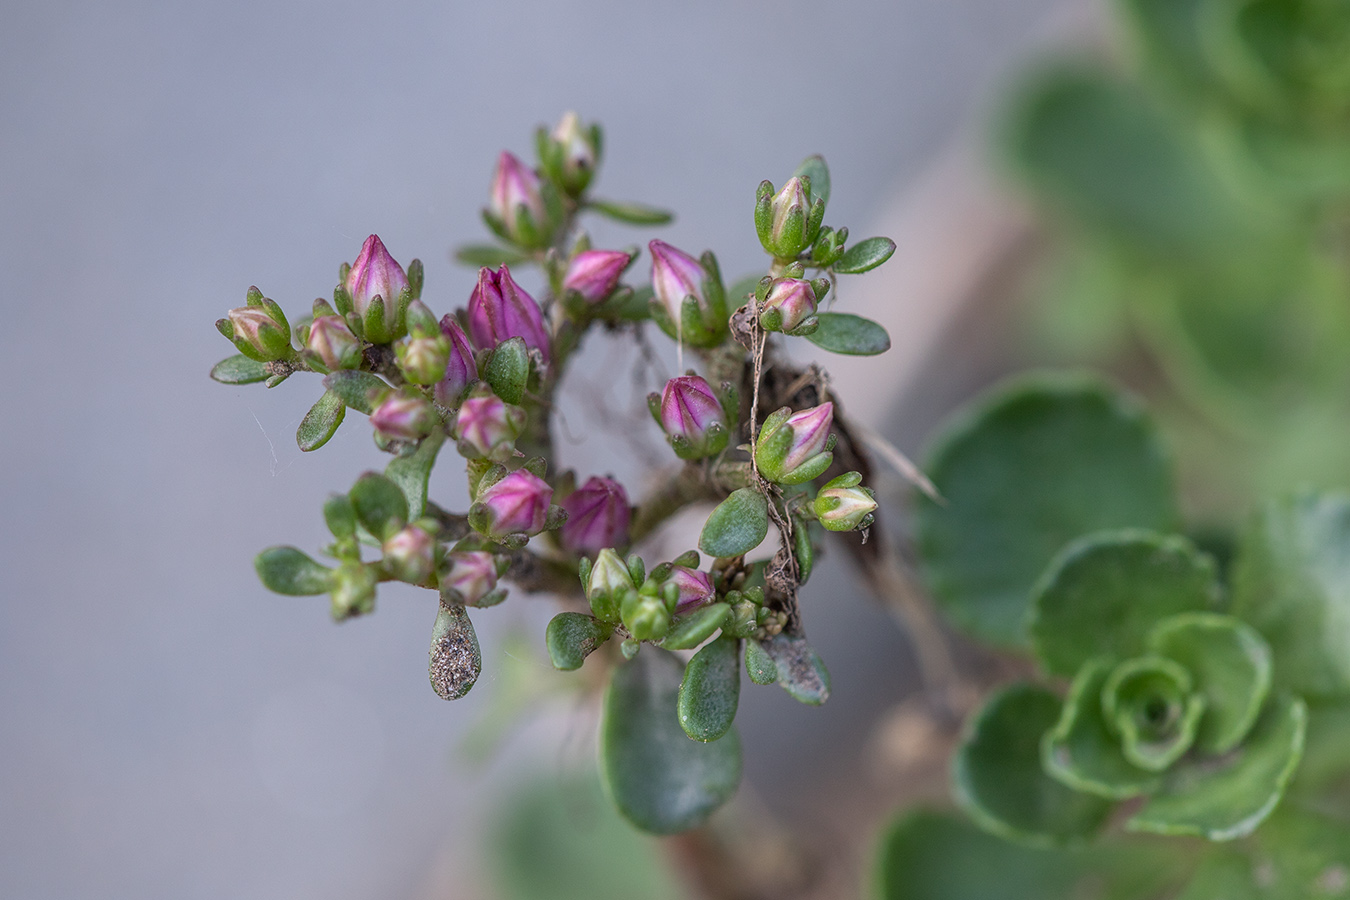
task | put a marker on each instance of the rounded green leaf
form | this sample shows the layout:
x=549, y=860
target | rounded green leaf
x=1083, y=751
x=711, y=690
x=1227, y=798
x=1231, y=666
x=660, y=780
x=1292, y=584
x=239, y=369
x=1105, y=592
x=380, y=504
x=630, y=213
x=455, y=658
x=571, y=637
x=1000, y=781
x=687, y=632
x=412, y=472
x=321, y=422
x=1024, y=470
x=507, y=369
x=849, y=334
x=355, y=388
x=737, y=525
x=865, y=256
x=289, y=571
x=1150, y=702
x=800, y=670
x=759, y=665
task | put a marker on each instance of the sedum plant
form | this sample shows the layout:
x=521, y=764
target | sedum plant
x=763, y=440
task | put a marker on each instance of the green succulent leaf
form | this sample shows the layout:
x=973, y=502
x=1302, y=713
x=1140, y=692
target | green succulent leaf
x=737, y=525
x=355, y=389
x=380, y=504
x=1106, y=591
x=630, y=213
x=740, y=290
x=688, y=631
x=1083, y=751
x=759, y=665
x=321, y=422
x=507, y=370
x=239, y=369
x=289, y=571
x=490, y=255
x=456, y=661
x=1231, y=666
x=571, y=637
x=1027, y=468
x=711, y=690
x=814, y=167
x=1150, y=702
x=412, y=473
x=1000, y=780
x=1227, y=798
x=801, y=671
x=865, y=256
x=1292, y=584
x=849, y=335
x=340, y=516
x=660, y=780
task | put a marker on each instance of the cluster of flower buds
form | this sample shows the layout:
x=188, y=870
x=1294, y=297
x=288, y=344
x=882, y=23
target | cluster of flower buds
x=487, y=426
x=794, y=448
x=789, y=221
x=843, y=505
x=598, y=515
x=692, y=416
x=689, y=302
x=511, y=507
x=522, y=209
x=646, y=604
x=789, y=304
x=375, y=291
x=259, y=329
x=424, y=355
x=570, y=154
x=470, y=578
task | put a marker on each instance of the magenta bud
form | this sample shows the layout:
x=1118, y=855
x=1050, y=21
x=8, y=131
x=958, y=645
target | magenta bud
x=500, y=310
x=675, y=275
x=410, y=554
x=472, y=576
x=792, y=301
x=595, y=273
x=692, y=417
x=487, y=426
x=460, y=368
x=793, y=448
x=695, y=588
x=517, y=203
x=375, y=274
x=403, y=418
x=517, y=504
x=598, y=515
x=258, y=334
x=333, y=343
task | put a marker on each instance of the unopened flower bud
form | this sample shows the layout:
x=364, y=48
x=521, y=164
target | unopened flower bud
x=695, y=588
x=403, y=418
x=422, y=360
x=597, y=517
x=333, y=343
x=258, y=334
x=571, y=153
x=472, y=576
x=793, y=447
x=842, y=505
x=692, y=417
x=595, y=273
x=517, y=209
x=609, y=583
x=787, y=222
x=689, y=301
x=517, y=504
x=487, y=426
x=645, y=617
x=410, y=554
x=790, y=303
x=499, y=309
x=376, y=274
x=460, y=368
x=353, y=591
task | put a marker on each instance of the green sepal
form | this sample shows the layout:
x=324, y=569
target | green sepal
x=381, y=507
x=710, y=690
x=764, y=212
x=660, y=780
x=737, y=525
x=864, y=256
x=356, y=389
x=1231, y=666
x=1083, y=752
x=239, y=369
x=571, y=637
x=688, y=631
x=340, y=516
x=804, y=549
x=289, y=571
x=507, y=369
x=456, y=661
x=1104, y=593
x=630, y=213
x=999, y=779
x=1228, y=798
x=849, y=335
x=801, y=671
x=759, y=665
x=321, y=422
x=412, y=473
x=1136, y=693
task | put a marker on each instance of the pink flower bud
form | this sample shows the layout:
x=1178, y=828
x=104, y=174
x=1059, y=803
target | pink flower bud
x=795, y=301
x=578, y=154
x=460, y=369
x=595, y=273
x=597, y=517
x=845, y=508
x=692, y=417
x=793, y=449
x=472, y=576
x=410, y=554
x=375, y=274
x=810, y=432
x=792, y=194
x=499, y=309
x=487, y=426
x=675, y=275
x=333, y=343
x=259, y=333
x=515, y=187
x=518, y=503
x=695, y=587
x=403, y=418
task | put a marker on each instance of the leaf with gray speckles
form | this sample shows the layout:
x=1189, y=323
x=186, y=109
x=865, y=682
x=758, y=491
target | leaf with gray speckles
x=455, y=658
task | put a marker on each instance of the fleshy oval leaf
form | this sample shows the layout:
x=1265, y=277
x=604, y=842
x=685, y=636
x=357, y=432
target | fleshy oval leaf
x=849, y=335
x=759, y=665
x=290, y=571
x=737, y=525
x=711, y=690
x=630, y=213
x=355, y=388
x=572, y=636
x=455, y=658
x=321, y=422
x=1083, y=752
x=865, y=256
x=801, y=671
x=380, y=504
x=687, y=632
x=239, y=369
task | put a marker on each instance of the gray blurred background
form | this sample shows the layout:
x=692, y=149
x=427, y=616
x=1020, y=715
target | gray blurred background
x=168, y=729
